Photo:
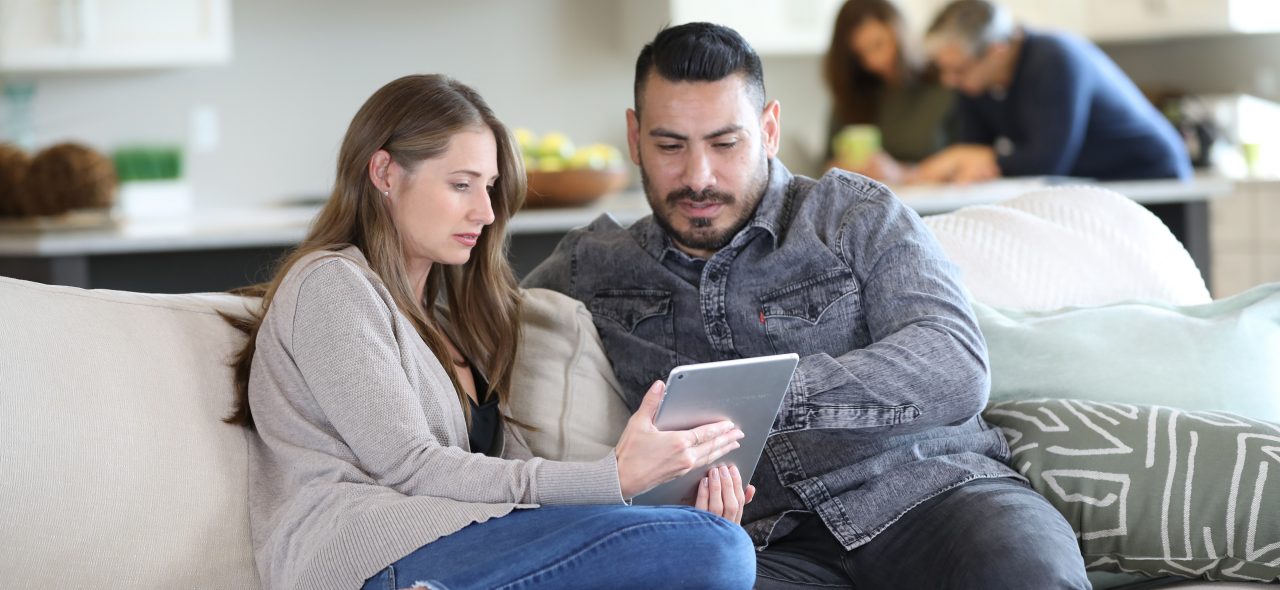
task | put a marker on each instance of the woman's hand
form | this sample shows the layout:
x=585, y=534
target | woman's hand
x=881, y=166
x=961, y=163
x=722, y=494
x=648, y=456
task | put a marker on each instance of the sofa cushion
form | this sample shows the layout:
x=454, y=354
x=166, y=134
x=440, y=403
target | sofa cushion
x=1071, y=245
x=111, y=445
x=563, y=385
x=1216, y=356
x=1153, y=489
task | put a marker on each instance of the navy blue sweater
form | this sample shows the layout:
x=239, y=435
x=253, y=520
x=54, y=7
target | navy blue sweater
x=1070, y=111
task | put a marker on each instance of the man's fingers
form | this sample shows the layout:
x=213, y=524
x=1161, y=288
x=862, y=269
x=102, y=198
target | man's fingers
x=732, y=506
x=737, y=485
x=716, y=492
x=702, y=500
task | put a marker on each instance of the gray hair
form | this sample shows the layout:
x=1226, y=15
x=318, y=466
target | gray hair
x=972, y=24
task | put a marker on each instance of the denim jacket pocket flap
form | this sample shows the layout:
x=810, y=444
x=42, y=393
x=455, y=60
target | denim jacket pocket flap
x=810, y=298
x=629, y=307
x=849, y=416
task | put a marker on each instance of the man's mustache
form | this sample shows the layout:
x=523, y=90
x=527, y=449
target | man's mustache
x=707, y=195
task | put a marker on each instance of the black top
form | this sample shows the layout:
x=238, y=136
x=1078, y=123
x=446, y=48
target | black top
x=486, y=424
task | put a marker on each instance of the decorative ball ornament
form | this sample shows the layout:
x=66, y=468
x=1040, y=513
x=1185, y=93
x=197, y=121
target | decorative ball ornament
x=69, y=176
x=14, y=163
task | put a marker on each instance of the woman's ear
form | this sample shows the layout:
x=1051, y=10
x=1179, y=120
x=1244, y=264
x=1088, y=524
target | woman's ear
x=380, y=171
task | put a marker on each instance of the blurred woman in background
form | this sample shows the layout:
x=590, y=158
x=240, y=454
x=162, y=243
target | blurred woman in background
x=878, y=76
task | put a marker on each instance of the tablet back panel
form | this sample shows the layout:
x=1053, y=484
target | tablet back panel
x=747, y=391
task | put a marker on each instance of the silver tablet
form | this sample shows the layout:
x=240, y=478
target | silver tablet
x=747, y=391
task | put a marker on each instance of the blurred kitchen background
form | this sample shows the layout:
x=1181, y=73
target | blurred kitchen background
x=255, y=95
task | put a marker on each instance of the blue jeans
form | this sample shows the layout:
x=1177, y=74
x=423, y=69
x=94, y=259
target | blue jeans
x=583, y=547
x=988, y=533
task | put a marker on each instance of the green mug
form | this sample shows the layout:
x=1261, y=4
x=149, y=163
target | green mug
x=855, y=144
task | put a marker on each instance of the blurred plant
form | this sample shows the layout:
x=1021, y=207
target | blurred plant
x=148, y=163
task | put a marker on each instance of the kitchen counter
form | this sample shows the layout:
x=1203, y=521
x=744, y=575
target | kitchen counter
x=286, y=226
x=85, y=257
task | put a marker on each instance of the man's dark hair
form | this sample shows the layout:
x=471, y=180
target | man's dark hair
x=700, y=52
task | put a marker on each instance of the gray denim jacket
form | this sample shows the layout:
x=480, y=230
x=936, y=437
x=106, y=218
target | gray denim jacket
x=883, y=411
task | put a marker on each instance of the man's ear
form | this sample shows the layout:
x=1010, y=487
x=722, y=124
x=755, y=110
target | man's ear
x=633, y=135
x=771, y=127
x=380, y=171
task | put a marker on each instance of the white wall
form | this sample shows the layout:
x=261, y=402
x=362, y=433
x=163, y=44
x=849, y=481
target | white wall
x=301, y=68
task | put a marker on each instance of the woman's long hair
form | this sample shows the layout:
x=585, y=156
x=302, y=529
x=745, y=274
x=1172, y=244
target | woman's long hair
x=854, y=88
x=413, y=119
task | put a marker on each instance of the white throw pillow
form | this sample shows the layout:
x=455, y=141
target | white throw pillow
x=1072, y=245
x=563, y=384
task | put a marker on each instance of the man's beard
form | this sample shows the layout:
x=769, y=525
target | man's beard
x=701, y=235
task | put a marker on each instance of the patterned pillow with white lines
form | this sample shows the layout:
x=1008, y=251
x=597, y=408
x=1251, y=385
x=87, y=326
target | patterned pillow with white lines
x=1152, y=489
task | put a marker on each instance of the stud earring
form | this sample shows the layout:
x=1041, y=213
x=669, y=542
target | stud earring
x=386, y=193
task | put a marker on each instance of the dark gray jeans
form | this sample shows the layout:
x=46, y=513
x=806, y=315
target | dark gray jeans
x=988, y=533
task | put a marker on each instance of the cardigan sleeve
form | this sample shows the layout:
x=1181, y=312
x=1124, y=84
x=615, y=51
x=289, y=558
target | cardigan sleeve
x=346, y=346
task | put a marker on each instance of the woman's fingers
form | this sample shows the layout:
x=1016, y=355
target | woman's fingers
x=721, y=447
x=749, y=493
x=710, y=433
x=702, y=502
x=651, y=401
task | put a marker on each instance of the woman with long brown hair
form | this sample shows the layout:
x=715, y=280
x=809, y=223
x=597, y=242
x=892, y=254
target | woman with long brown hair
x=376, y=376
x=878, y=75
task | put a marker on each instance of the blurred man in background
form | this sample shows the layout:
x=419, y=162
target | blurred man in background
x=1035, y=103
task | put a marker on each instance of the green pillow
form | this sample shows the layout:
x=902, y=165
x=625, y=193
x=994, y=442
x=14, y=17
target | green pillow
x=1152, y=489
x=1223, y=355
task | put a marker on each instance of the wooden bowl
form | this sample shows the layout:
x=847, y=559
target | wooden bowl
x=572, y=188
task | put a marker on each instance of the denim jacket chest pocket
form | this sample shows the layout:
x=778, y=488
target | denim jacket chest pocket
x=641, y=322
x=821, y=313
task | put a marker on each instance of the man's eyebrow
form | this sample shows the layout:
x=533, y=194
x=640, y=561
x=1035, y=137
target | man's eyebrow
x=727, y=129
x=660, y=132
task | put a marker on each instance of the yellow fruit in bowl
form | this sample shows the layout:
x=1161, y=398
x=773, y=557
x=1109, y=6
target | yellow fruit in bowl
x=550, y=164
x=526, y=140
x=556, y=144
x=586, y=159
x=612, y=157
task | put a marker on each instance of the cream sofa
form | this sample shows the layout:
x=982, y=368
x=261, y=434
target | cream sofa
x=118, y=473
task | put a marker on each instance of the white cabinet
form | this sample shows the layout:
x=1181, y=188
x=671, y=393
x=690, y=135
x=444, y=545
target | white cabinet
x=803, y=27
x=772, y=27
x=49, y=35
x=1130, y=20
x=1123, y=20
